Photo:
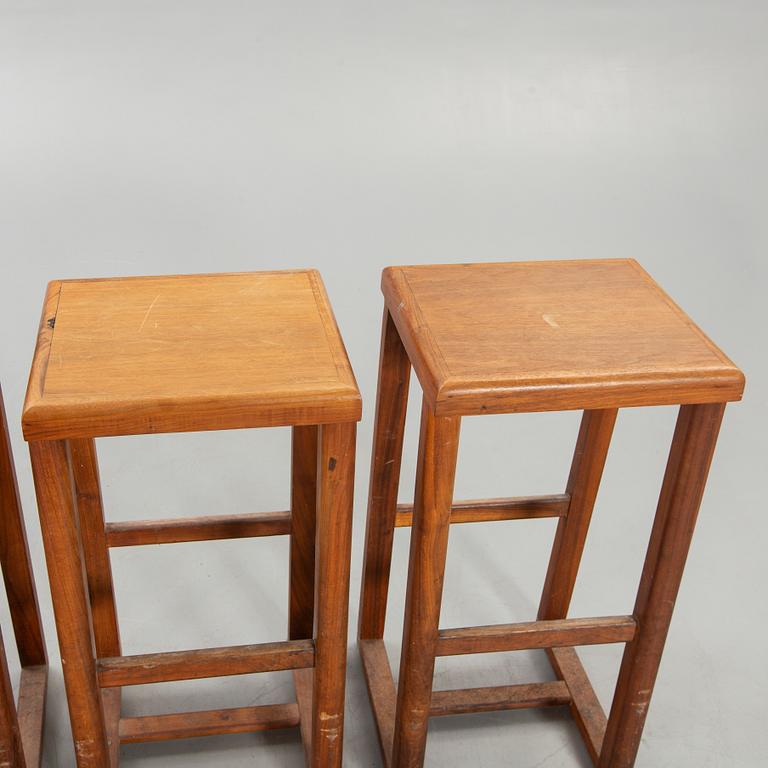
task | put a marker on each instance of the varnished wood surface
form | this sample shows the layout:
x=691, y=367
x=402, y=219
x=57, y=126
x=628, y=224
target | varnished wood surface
x=21, y=727
x=98, y=568
x=133, y=533
x=551, y=335
x=585, y=706
x=184, y=725
x=693, y=446
x=587, y=466
x=112, y=702
x=381, y=689
x=301, y=578
x=535, y=634
x=501, y=338
x=386, y=457
x=187, y=352
x=18, y=578
x=435, y=473
x=463, y=701
x=71, y=607
x=207, y=662
x=183, y=353
x=490, y=510
x=335, y=495
x=303, y=684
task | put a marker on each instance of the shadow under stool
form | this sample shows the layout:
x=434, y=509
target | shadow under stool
x=525, y=337
x=21, y=728
x=179, y=354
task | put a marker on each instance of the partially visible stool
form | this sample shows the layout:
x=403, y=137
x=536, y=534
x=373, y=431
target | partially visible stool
x=21, y=732
x=522, y=337
x=178, y=354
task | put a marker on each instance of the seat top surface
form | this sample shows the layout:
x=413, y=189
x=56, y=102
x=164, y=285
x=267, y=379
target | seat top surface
x=551, y=335
x=186, y=353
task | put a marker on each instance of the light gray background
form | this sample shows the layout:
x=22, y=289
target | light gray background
x=160, y=136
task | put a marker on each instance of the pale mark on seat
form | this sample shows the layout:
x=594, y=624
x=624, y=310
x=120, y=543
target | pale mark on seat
x=549, y=320
x=146, y=316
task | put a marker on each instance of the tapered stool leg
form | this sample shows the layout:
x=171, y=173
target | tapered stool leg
x=14, y=556
x=586, y=472
x=85, y=472
x=55, y=500
x=583, y=483
x=693, y=446
x=98, y=573
x=389, y=428
x=301, y=580
x=438, y=447
x=335, y=478
x=301, y=597
x=21, y=727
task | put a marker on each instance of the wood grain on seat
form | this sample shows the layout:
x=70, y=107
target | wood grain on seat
x=185, y=353
x=551, y=335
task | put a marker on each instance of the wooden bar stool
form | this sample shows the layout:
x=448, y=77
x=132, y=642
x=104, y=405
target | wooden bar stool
x=21, y=730
x=520, y=337
x=178, y=354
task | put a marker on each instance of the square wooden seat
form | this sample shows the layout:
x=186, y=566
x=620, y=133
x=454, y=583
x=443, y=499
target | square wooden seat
x=186, y=353
x=551, y=335
x=177, y=354
x=518, y=337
